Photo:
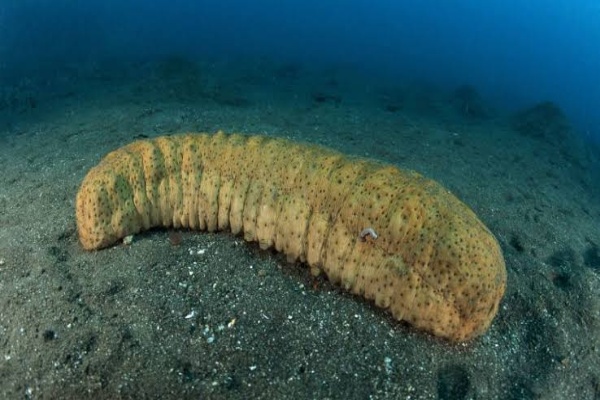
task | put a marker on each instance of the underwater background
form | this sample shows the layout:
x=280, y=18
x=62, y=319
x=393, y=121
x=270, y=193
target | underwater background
x=513, y=53
x=498, y=101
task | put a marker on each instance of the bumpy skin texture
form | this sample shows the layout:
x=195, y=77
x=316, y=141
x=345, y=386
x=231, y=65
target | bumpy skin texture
x=433, y=263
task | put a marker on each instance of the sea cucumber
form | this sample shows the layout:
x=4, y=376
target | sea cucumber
x=434, y=263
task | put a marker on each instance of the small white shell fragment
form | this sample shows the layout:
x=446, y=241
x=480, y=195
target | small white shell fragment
x=127, y=240
x=387, y=362
x=231, y=323
x=192, y=314
x=196, y=252
x=367, y=232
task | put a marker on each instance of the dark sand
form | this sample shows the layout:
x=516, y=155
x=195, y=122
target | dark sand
x=196, y=315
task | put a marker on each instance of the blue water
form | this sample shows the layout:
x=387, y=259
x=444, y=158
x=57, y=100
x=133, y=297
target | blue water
x=514, y=52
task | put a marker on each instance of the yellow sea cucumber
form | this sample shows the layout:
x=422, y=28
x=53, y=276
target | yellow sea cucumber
x=389, y=235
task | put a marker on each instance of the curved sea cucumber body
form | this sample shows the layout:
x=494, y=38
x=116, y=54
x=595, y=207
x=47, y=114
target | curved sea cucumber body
x=431, y=263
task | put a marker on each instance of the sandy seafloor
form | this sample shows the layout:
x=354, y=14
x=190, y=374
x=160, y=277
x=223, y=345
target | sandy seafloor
x=197, y=315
